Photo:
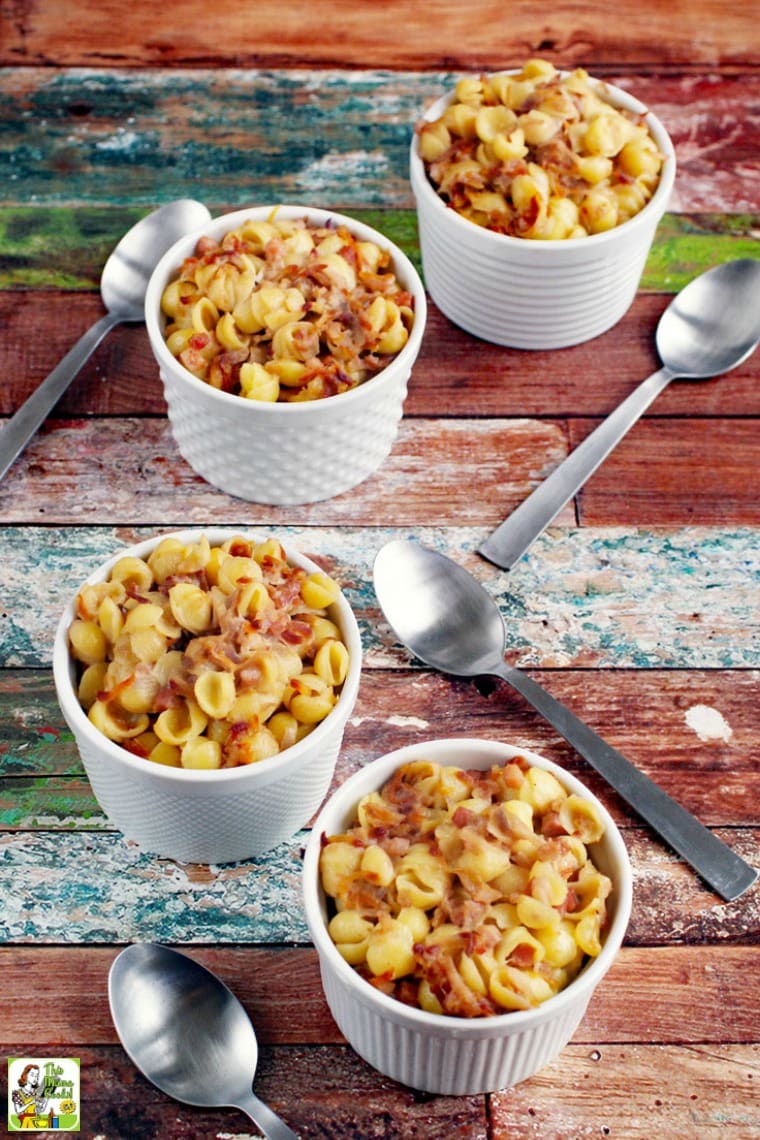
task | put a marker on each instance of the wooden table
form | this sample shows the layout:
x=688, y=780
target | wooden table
x=639, y=607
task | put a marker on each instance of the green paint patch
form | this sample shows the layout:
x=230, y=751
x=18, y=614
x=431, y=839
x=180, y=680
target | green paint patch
x=58, y=247
x=687, y=244
x=61, y=247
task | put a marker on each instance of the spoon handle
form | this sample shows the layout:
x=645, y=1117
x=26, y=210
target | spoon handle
x=718, y=865
x=512, y=538
x=24, y=423
x=262, y=1115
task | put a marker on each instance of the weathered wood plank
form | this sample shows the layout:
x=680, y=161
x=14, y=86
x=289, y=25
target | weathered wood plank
x=322, y=1092
x=341, y=34
x=338, y=137
x=667, y=471
x=79, y=471
x=65, y=247
x=616, y=597
x=455, y=375
x=646, y=999
x=637, y=1093
x=704, y=750
x=131, y=896
x=328, y=1092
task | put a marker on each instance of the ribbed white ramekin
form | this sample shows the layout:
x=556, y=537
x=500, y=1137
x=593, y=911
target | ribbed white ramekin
x=526, y=293
x=455, y=1056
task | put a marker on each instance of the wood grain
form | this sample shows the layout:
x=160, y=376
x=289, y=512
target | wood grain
x=454, y=375
x=703, y=1091
x=339, y=137
x=662, y=475
x=42, y=785
x=343, y=33
x=646, y=999
x=581, y=598
x=327, y=1092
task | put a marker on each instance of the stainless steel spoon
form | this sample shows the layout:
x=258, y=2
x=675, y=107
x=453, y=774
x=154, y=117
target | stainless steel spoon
x=122, y=287
x=187, y=1032
x=447, y=619
x=712, y=325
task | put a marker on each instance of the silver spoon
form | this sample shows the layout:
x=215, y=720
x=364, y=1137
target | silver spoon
x=447, y=619
x=712, y=325
x=187, y=1032
x=122, y=287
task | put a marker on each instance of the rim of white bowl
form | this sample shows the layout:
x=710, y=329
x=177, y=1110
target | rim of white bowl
x=170, y=262
x=342, y=803
x=262, y=770
x=617, y=97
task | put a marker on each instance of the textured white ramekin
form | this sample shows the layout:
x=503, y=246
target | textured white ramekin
x=448, y=1055
x=291, y=452
x=208, y=816
x=526, y=293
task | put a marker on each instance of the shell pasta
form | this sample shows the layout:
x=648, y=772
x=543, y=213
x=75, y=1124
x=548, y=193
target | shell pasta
x=538, y=154
x=208, y=657
x=284, y=311
x=467, y=892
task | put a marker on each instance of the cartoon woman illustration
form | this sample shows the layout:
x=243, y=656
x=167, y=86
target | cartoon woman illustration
x=29, y=1100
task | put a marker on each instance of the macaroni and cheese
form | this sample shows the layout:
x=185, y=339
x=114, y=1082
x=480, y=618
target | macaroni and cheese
x=467, y=892
x=284, y=311
x=538, y=154
x=208, y=657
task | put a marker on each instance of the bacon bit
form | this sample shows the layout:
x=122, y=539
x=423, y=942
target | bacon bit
x=570, y=903
x=166, y=698
x=461, y=817
x=113, y=694
x=522, y=956
x=448, y=985
x=205, y=246
x=464, y=912
x=238, y=548
x=382, y=982
x=131, y=745
x=297, y=633
x=551, y=825
x=407, y=991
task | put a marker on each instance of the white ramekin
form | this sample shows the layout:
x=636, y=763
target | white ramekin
x=454, y=1056
x=531, y=294
x=208, y=816
x=285, y=453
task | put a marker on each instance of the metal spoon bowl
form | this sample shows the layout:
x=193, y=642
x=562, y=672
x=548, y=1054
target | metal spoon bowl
x=122, y=287
x=187, y=1032
x=710, y=327
x=447, y=619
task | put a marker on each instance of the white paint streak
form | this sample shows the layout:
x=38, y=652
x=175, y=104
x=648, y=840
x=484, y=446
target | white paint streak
x=120, y=141
x=708, y=723
x=396, y=721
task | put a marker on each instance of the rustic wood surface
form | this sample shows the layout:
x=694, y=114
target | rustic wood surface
x=639, y=608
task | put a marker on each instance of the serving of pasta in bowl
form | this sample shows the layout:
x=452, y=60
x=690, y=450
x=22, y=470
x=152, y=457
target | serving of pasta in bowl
x=549, y=186
x=465, y=899
x=207, y=677
x=285, y=337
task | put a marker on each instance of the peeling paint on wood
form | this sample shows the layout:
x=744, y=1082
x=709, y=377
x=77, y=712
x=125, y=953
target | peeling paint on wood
x=338, y=137
x=130, y=896
x=60, y=246
x=609, y=598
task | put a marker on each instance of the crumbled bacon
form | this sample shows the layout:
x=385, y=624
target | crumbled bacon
x=456, y=998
